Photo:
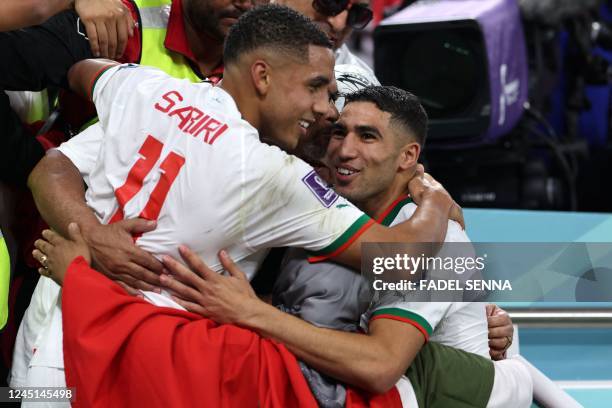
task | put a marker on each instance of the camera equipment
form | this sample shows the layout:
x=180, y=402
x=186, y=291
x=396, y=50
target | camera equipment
x=465, y=59
x=468, y=61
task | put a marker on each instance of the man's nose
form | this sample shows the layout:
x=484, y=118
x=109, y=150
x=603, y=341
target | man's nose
x=331, y=116
x=322, y=107
x=348, y=147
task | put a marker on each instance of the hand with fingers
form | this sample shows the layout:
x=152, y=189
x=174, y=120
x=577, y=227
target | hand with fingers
x=56, y=253
x=423, y=183
x=199, y=289
x=501, y=331
x=115, y=254
x=108, y=24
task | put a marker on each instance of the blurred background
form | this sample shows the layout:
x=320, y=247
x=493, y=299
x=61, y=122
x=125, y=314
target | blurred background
x=518, y=93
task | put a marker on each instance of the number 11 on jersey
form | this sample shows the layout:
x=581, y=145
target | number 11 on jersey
x=150, y=152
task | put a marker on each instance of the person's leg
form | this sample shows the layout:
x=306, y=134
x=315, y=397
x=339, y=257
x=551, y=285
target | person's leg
x=512, y=386
x=443, y=377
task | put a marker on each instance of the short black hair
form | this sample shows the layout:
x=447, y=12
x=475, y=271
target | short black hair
x=276, y=27
x=404, y=107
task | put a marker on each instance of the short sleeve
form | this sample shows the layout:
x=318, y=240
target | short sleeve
x=425, y=316
x=84, y=148
x=118, y=88
x=289, y=205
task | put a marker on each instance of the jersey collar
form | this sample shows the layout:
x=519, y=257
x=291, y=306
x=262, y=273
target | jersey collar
x=176, y=38
x=387, y=217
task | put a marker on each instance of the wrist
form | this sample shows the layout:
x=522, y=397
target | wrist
x=258, y=316
x=88, y=230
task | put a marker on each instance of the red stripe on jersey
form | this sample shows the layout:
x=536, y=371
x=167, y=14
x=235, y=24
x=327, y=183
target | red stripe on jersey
x=390, y=208
x=95, y=78
x=404, y=320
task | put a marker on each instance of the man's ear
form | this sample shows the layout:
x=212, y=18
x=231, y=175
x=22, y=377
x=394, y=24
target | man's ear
x=409, y=156
x=260, y=75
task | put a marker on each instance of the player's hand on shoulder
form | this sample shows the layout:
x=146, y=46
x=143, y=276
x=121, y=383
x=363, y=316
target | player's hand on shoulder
x=108, y=24
x=199, y=289
x=55, y=253
x=423, y=186
x=116, y=256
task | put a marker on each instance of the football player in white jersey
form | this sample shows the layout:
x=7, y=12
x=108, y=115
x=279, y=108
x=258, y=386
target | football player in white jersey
x=373, y=149
x=190, y=157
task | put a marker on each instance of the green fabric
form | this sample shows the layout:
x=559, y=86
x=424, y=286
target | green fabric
x=404, y=315
x=154, y=53
x=396, y=209
x=344, y=238
x=438, y=372
x=39, y=110
x=5, y=273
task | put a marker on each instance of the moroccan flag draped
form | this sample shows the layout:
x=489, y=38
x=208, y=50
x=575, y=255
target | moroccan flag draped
x=120, y=350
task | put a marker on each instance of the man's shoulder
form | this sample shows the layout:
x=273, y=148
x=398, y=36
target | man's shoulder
x=454, y=232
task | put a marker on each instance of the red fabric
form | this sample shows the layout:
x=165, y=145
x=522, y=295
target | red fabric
x=176, y=40
x=379, y=7
x=122, y=351
x=133, y=46
x=359, y=399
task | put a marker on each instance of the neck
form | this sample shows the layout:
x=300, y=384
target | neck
x=239, y=93
x=376, y=205
x=207, y=51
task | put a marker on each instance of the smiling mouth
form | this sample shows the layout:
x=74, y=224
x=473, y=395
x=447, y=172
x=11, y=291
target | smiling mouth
x=344, y=171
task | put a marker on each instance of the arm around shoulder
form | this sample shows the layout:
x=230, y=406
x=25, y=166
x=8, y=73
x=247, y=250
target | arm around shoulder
x=82, y=76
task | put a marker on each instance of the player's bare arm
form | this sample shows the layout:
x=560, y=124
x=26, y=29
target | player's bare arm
x=82, y=75
x=373, y=362
x=15, y=14
x=59, y=194
x=428, y=224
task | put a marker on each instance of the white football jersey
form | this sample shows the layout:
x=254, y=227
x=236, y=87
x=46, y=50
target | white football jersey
x=169, y=150
x=461, y=325
x=177, y=152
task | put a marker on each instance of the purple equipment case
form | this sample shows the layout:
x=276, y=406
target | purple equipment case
x=502, y=30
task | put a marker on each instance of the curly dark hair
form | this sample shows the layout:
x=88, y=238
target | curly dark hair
x=274, y=27
x=405, y=108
